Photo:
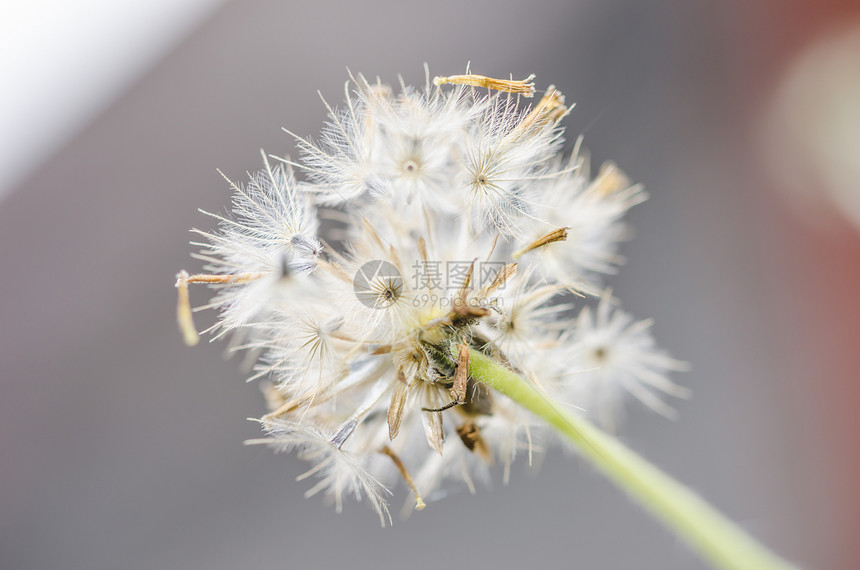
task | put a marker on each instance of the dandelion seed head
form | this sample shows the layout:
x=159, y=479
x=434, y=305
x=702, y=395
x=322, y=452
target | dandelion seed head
x=462, y=229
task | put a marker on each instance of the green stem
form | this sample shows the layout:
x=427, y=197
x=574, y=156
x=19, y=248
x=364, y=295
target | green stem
x=714, y=536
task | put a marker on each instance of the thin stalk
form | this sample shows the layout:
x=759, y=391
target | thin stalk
x=712, y=535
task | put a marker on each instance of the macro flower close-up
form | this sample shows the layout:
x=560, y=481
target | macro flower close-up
x=486, y=284
x=424, y=330
x=428, y=222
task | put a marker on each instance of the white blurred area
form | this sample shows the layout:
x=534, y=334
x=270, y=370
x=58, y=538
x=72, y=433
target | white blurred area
x=62, y=62
x=812, y=134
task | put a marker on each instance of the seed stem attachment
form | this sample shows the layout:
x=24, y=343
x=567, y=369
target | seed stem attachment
x=235, y=279
x=184, y=317
x=549, y=110
x=419, y=502
x=184, y=313
x=524, y=87
x=556, y=235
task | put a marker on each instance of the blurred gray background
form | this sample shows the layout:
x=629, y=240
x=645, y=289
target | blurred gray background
x=122, y=448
